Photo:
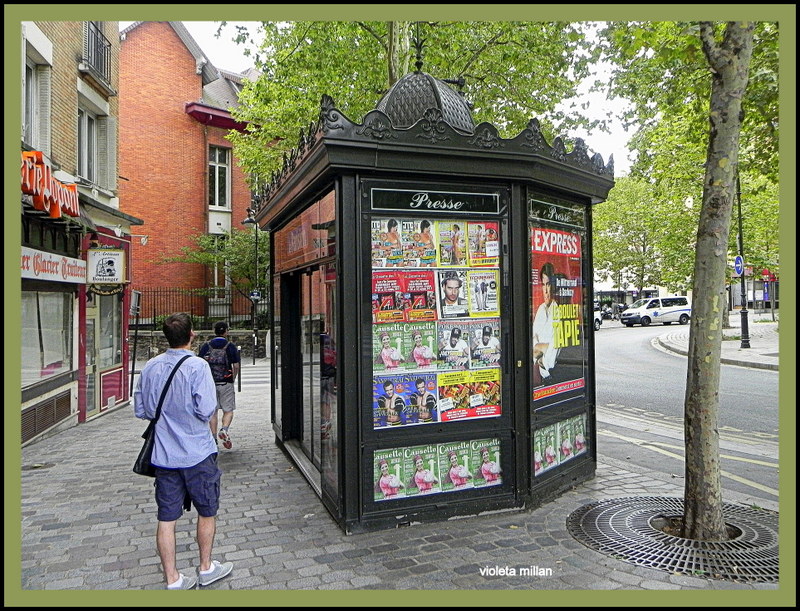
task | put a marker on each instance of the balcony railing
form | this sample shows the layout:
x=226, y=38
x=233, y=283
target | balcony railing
x=97, y=56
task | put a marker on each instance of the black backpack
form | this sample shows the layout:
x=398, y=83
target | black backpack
x=220, y=365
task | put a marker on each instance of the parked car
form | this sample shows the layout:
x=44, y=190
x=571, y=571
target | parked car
x=665, y=310
x=598, y=319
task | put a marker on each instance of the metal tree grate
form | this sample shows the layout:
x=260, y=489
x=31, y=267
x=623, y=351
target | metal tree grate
x=624, y=528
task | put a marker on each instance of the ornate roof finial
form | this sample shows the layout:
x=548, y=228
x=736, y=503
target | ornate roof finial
x=418, y=43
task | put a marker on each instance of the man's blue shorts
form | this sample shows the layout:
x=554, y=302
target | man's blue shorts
x=200, y=482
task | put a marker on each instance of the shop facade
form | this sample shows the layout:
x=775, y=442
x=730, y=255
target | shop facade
x=433, y=352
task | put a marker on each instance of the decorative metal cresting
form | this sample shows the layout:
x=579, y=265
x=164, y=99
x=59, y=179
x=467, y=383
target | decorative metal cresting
x=630, y=529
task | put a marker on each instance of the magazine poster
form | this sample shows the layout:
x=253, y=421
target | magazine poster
x=389, y=401
x=453, y=345
x=579, y=444
x=387, y=244
x=455, y=466
x=484, y=244
x=421, y=342
x=453, y=395
x=419, y=243
x=559, y=351
x=485, y=456
x=485, y=393
x=451, y=293
x=483, y=289
x=485, y=346
x=566, y=436
x=544, y=449
x=419, y=295
x=422, y=398
x=452, y=241
x=388, y=474
x=388, y=349
x=387, y=297
x=421, y=470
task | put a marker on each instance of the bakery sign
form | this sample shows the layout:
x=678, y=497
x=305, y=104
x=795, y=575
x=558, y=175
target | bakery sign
x=105, y=266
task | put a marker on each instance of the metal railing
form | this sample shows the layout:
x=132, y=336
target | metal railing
x=157, y=303
x=97, y=51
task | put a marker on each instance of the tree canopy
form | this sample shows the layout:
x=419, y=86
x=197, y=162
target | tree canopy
x=511, y=71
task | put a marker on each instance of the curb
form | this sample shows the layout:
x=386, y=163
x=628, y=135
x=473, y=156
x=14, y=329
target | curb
x=723, y=359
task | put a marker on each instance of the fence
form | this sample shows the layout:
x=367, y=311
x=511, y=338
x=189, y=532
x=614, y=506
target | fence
x=238, y=310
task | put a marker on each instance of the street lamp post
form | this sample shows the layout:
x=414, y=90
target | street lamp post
x=254, y=294
x=745, y=328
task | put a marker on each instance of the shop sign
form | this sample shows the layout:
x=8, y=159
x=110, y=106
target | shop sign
x=49, y=194
x=105, y=266
x=422, y=200
x=38, y=265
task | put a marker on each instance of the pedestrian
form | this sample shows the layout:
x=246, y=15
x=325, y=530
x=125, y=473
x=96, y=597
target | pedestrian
x=223, y=357
x=184, y=454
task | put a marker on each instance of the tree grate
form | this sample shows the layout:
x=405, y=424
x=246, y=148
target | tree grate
x=624, y=528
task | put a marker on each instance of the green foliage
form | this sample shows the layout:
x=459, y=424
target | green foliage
x=234, y=252
x=513, y=71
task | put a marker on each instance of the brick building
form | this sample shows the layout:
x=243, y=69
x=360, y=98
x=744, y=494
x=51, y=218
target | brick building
x=75, y=241
x=178, y=170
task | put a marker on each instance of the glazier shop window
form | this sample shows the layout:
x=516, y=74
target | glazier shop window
x=218, y=177
x=46, y=335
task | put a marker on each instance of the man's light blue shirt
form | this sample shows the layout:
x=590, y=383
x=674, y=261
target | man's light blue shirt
x=183, y=436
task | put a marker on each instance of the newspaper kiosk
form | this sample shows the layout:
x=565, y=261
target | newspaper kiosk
x=431, y=298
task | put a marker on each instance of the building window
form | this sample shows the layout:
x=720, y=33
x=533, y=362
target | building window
x=219, y=283
x=87, y=145
x=218, y=177
x=110, y=334
x=36, y=89
x=46, y=335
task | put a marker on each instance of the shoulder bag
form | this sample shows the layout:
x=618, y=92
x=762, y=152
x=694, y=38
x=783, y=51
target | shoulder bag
x=143, y=466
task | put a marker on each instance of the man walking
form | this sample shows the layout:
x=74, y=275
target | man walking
x=223, y=357
x=184, y=454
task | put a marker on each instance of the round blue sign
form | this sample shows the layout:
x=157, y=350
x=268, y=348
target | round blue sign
x=738, y=265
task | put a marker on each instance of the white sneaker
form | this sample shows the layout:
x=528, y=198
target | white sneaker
x=218, y=571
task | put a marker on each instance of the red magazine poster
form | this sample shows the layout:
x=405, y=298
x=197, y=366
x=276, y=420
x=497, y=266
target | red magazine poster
x=387, y=297
x=559, y=353
x=419, y=295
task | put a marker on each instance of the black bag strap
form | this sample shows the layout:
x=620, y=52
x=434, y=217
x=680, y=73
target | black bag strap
x=166, y=386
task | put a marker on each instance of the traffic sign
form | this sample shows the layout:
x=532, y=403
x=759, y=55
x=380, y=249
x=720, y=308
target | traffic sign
x=738, y=265
x=255, y=295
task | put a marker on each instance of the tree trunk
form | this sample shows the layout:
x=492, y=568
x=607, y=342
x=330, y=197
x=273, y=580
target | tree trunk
x=729, y=62
x=398, y=49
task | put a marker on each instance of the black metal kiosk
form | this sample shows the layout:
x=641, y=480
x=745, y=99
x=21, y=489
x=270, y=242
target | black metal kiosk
x=433, y=350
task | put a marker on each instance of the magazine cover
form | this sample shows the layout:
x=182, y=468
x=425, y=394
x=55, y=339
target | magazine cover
x=421, y=397
x=484, y=244
x=419, y=243
x=389, y=401
x=451, y=293
x=388, y=474
x=387, y=297
x=559, y=354
x=453, y=345
x=579, y=429
x=485, y=455
x=453, y=395
x=452, y=241
x=419, y=295
x=421, y=470
x=421, y=341
x=485, y=395
x=388, y=350
x=544, y=449
x=566, y=435
x=483, y=289
x=455, y=466
x=387, y=245
x=484, y=343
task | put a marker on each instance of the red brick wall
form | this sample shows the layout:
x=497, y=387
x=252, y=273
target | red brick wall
x=163, y=156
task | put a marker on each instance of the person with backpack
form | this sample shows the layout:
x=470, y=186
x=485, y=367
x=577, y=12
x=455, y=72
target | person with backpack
x=223, y=358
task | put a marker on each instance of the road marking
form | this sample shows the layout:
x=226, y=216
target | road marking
x=652, y=446
x=728, y=456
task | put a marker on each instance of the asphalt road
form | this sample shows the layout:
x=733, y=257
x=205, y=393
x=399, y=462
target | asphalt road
x=640, y=404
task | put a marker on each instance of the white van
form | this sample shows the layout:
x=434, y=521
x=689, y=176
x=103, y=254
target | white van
x=665, y=310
